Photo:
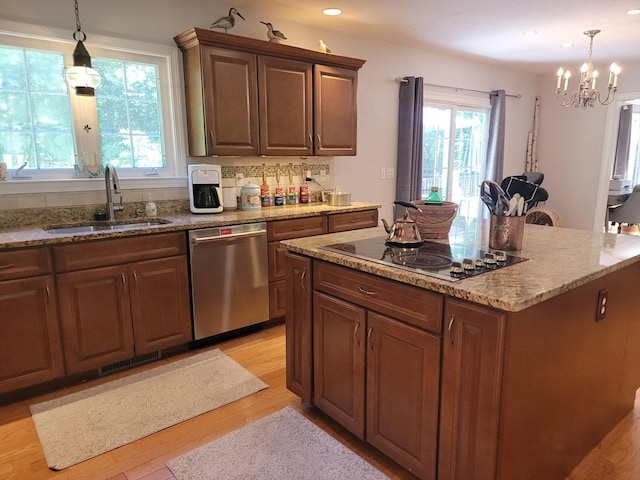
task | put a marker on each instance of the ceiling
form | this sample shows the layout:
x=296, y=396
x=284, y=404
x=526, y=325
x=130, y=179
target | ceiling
x=489, y=29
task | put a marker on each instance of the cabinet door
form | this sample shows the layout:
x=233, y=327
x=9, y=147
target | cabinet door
x=230, y=102
x=335, y=110
x=30, y=348
x=285, y=95
x=298, y=322
x=96, y=317
x=403, y=379
x=160, y=303
x=338, y=361
x=471, y=375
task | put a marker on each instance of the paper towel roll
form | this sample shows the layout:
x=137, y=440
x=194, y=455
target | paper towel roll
x=229, y=199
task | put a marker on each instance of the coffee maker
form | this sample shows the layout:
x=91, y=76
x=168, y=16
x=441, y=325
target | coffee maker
x=205, y=192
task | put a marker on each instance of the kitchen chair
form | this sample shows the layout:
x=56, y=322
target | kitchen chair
x=628, y=212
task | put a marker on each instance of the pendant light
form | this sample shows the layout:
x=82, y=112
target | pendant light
x=81, y=76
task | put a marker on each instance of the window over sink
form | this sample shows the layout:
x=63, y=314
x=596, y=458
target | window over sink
x=57, y=135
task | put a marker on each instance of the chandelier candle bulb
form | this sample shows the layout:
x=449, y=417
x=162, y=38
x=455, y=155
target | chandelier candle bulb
x=560, y=72
x=567, y=74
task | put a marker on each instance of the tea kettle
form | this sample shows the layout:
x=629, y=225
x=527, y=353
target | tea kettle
x=404, y=232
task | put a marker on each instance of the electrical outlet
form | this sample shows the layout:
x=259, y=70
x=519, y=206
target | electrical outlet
x=390, y=173
x=602, y=305
x=239, y=178
x=383, y=173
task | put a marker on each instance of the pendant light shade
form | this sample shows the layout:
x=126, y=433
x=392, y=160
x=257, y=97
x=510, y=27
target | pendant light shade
x=81, y=75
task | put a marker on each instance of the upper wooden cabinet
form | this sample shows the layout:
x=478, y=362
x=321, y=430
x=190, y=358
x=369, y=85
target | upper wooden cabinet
x=252, y=97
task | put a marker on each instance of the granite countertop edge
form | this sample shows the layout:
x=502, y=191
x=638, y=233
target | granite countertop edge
x=35, y=235
x=560, y=259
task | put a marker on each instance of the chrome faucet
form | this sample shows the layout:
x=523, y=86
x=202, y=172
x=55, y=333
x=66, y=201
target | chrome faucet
x=111, y=178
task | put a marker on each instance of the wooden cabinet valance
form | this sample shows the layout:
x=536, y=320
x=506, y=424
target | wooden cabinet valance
x=251, y=97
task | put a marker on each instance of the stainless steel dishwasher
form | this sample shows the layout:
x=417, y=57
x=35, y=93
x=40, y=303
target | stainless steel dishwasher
x=229, y=279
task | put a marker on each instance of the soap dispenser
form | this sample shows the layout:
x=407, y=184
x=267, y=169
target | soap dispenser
x=150, y=209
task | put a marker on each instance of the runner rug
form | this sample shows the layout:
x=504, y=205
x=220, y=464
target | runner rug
x=284, y=446
x=85, y=424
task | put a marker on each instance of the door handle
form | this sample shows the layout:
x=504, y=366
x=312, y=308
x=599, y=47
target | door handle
x=453, y=319
x=302, y=277
x=369, y=337
x=355, y=333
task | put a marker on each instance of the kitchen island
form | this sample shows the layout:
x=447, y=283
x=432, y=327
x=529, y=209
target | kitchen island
x=513, y=374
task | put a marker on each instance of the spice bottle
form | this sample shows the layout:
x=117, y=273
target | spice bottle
x=292, y=196
x=279, y=192
x=265, y=195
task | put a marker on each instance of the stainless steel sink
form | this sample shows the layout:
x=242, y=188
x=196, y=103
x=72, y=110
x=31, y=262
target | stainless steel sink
x=87, y=227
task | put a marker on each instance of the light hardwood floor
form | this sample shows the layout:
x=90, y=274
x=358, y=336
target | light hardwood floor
x=262, y=353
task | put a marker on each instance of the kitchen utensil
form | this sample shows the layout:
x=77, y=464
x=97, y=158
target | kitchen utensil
x=520, y=207
x=404, y=232
x=513, y=205
x=499, y=197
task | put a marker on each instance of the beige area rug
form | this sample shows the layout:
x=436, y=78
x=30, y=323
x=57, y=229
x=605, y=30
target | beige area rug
x=282, y=446
x=82, y=425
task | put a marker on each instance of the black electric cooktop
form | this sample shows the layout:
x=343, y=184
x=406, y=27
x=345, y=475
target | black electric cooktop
x=441, y=260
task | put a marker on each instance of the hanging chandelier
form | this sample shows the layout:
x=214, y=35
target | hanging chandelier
x=81, y=76
x=586, y=93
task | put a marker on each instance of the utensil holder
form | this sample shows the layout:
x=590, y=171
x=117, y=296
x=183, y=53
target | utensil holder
x=506, y=232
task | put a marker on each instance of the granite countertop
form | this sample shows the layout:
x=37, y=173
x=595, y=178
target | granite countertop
x=34, y=235
x=560, y=259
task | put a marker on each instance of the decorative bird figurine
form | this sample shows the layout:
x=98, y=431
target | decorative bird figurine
x=227, y=22
x=273, y=35
x=323, y=47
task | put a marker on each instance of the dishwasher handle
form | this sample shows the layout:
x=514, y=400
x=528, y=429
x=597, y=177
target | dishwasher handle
x=216, y=238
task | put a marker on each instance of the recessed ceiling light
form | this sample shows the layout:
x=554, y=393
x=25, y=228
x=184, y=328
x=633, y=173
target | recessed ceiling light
x=332, y=12
x=567, y=45
x=635, y=11
x=529, y=33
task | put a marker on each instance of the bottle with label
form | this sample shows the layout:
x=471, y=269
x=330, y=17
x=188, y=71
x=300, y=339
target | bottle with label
x=434, y=197
x=278, y=197
x=150, y=209
x=265, y=195
x=292, y=196
x=304, y=193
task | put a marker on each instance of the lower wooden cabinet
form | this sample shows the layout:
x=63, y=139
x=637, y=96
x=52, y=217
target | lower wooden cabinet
x=298, y=325
x=111, y=314
x=379, y=378
x=96, y=317
x=120, y=298
x=304, y=227
x=30, y=348
x=472, y=355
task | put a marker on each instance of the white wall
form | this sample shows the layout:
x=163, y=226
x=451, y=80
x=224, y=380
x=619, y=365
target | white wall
x=573, y=153
x=570, y=142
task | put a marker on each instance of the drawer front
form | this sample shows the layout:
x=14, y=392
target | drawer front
x=118, y=251
x=341, y=222
x=27, y=262
x=415, y=306
x=297, y=227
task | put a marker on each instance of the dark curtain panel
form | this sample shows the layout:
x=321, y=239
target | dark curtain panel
x=621, y=161
x=409, y=162
x=495, y=146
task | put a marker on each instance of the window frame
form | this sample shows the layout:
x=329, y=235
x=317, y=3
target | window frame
x=457, y=102
x=84, y=109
